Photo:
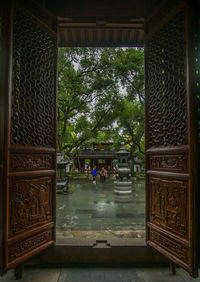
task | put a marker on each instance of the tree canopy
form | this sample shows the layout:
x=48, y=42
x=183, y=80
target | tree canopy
x=100, y=98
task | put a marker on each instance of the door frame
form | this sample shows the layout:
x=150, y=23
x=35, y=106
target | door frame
x=87, y=253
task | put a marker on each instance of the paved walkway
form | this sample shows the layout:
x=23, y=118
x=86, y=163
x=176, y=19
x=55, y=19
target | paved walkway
x=88, y=207
x=100, y=275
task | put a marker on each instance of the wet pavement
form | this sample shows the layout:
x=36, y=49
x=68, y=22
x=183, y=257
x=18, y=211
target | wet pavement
x=94, y=207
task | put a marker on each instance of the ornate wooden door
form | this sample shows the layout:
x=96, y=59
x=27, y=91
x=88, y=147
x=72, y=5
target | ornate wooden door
x=172, y=89
x=28, y=132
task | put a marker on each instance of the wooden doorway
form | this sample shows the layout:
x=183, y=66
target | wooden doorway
x=28, y=155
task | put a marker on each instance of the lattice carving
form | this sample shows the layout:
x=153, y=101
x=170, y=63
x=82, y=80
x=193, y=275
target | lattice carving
x=177, y=163
x=24, y=162
x=166, y=85
x=30, y=203
x=33, y=93
x=21, y=248
x=171, y=246
x=169, y=205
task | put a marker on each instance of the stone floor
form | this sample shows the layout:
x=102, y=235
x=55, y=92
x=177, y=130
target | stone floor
x=100, y=274
x=90, y=210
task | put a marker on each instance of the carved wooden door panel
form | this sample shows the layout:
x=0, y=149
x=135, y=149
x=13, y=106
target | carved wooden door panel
x=171, y=133
x=28, y=132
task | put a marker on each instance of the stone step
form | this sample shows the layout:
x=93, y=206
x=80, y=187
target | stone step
x=123, y=189
x=120, y=192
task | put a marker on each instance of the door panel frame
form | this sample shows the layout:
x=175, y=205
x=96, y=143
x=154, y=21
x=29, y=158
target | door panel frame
x=192, y=14
x=89, y=254
x=181, y=249
x=4, y=101
x=34, y=238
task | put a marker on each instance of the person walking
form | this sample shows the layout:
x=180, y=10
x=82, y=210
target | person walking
x=103, y=174
x=94, y=175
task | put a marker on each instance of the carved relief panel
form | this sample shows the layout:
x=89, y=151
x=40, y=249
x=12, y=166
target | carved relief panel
x=21, y=248
x=22, y=162
x=30, y=203
x=169, y=205
x=177, y=163
x=176, y=248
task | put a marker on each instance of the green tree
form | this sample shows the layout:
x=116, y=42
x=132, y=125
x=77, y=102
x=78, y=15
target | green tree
x=131, y=126
x=98, y=90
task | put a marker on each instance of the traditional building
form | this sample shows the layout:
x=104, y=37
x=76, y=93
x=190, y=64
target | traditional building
x=102, y=155
x=98, y=155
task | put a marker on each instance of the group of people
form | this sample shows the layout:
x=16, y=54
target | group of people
x=102, y=173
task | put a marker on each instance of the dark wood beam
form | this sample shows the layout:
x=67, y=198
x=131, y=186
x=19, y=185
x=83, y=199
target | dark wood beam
x=98, y=9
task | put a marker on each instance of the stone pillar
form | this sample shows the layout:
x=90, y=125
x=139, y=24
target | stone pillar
x=96, y=163
x=91, y=163
x=82, y=164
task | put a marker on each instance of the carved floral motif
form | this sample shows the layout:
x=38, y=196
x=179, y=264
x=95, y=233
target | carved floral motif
x=168, y=205
x=18, y=249
x=168, y=245
x=169, y=162
x=30, y=203
x=21, y=162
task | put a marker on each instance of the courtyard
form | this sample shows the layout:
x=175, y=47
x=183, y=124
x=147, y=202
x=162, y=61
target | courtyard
x=93, y=210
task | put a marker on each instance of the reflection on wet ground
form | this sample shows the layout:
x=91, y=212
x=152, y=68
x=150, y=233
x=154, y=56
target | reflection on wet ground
x=89, y=208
